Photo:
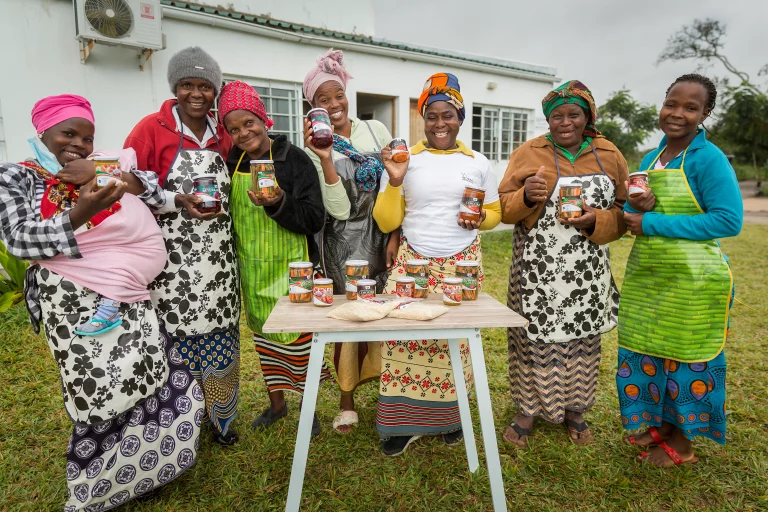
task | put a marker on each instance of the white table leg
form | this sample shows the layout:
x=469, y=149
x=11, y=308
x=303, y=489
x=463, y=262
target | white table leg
x=486, y=422
x=316, y=355
x=461, y=394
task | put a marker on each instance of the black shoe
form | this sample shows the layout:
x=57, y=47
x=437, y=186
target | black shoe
x=315, y=426
x=227, y=439
x=453, y=438
x=269, y=417
x=397, y=445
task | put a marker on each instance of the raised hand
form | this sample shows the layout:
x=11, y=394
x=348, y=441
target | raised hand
x=396, y=170
x=536, y=187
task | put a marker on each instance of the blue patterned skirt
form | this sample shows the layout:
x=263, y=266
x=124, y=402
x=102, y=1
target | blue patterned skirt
x=690, y=396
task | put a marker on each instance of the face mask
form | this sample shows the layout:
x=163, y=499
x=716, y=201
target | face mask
x=44, y=156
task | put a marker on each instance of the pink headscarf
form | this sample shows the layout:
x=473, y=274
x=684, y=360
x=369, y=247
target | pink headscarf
x=52, y=110
x=330, y=66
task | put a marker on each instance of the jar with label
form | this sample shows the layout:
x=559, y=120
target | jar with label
x=399, y=150
x=322, y=292
x=366, y=289
x=468, y=272
x=638, y=183
x=356, y=270
x=263, y=180
x=472, y=204
x=206, y=188
x=300, y=284
x=452, y=291
x=322, y=133
x=107, y=169
x=405, y=286
x=571, y=203
x=419, y=270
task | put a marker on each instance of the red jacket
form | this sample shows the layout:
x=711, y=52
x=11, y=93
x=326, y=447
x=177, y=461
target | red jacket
x=156, y=141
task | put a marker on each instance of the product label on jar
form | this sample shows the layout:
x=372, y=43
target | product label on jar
x=319, y=126
x=422, y=280
x=452, y=293
x=365, y=292
x=404, y=289
x=468, y=281
x=638, y=184
x=266, y=179
x=571, y=204
x=300, y=284
x=322, y=295
x=351, y=283
x=471, y=205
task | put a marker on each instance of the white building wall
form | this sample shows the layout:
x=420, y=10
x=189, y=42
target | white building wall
x=45, y=61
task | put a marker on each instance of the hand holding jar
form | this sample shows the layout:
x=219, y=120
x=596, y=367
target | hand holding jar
x=309, y=133
x=396, y=170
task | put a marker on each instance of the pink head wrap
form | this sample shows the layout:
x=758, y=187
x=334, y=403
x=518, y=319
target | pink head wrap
x=330, y=66
x=239, y=95
x=52, y=110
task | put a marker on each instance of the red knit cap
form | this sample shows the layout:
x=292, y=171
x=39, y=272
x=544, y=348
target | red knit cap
x=239, y=95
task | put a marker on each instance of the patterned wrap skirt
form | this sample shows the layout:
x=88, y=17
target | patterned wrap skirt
x=137, y=425
x=417, y=391
x=547, y=379
x=284, y=366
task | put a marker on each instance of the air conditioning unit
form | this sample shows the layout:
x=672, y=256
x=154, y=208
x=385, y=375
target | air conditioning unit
x=131, y=23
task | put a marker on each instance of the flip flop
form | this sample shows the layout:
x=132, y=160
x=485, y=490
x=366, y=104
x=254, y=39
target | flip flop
x=345, y=418
x=522, y=435
x=581, y=429
x=654, y=435
x=671, y=453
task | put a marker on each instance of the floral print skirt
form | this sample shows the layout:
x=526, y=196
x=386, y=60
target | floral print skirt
x=417, y=391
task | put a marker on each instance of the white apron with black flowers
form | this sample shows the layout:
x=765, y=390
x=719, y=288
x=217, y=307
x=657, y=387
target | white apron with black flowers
x=197, y=292
x=566, y=284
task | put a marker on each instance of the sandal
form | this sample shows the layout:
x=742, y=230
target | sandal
x=657, y=440
x=578, y=433
x=672, y=454
x=345, y=418
x=522, y=435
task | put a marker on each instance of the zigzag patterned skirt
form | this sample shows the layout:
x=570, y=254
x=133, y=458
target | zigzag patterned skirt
x=547, y=379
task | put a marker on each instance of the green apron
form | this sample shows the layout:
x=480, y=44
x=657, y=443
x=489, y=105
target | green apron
x=676, y=292
x=264, y=249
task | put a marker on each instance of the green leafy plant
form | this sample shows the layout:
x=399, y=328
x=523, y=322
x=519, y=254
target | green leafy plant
x=11, y=279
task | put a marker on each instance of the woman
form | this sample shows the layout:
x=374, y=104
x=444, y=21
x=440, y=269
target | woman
x=560, y=278
x=423, y=196
x=136, y=410
x=197, y=294
x=349, y=177
x=269, y=234
x=671, y=365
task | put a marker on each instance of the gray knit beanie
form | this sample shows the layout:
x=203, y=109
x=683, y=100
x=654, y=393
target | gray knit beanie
x=193, y=62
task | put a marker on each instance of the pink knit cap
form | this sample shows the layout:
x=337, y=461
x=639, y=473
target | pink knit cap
x=52, y=110
x=330, y=66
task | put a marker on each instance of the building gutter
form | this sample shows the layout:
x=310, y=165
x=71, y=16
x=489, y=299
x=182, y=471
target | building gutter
x=213, y=20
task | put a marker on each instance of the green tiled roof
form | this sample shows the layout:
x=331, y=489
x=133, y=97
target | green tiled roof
x=303, y=29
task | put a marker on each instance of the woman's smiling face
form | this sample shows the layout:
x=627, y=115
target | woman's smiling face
x=441, y=125
x=331, y=96
x=70, y=140
x=683, y=110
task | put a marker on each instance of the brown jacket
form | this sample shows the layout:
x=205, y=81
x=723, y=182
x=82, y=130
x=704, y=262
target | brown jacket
x=525, y=162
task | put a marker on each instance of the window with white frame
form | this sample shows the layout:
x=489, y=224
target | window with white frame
x=283, y=103
x=497, y=131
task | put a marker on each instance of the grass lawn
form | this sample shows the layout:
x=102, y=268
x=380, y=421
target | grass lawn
x=350, y=473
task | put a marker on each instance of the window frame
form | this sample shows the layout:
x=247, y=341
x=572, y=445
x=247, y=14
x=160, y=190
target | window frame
x=501, y=141
x=297, y=108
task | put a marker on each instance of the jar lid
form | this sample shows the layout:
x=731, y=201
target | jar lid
x=644, y=173
x=210, y=176
x=467, y=264
x=317, y=109
x=406, y=279
x=300, y=264
x=105, y=158
x=417, y=262
x=452, y=280
x=356, y=263
x=480, y=189
x=366, y=282
x=262, y=161
x=323, y=280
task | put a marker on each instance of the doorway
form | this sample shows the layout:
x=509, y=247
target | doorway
x=378, y=107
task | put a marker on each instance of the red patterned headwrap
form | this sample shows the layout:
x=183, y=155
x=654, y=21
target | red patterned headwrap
x=239, y=95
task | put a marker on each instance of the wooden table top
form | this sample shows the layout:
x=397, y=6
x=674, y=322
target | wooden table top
x=483, y=312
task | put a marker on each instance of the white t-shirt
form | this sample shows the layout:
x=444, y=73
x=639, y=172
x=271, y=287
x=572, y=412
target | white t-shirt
x=433, y=188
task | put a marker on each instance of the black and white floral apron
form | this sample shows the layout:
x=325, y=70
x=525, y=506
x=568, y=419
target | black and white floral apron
x=566, y=284
x=197, y=292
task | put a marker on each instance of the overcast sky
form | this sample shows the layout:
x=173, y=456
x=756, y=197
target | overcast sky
x=607, y=44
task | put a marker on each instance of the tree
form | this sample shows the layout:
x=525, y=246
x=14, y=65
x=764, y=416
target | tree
x=742, y=118
x=625, y=122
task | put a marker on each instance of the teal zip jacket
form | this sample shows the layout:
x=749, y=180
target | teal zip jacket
x=713, y=183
